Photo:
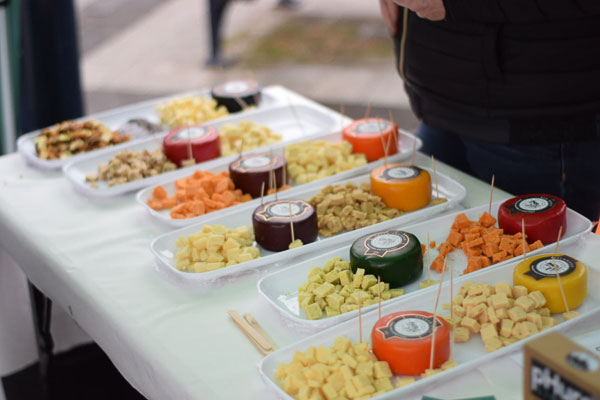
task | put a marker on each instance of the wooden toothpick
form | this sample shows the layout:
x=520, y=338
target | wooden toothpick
x=491, y=194
x=414, y=151
x=379, y=294
x=435, y=179
x=241, y=102
x=368, y=110
x=523, y=241
x=360, y=319
x=435, y=316
x=383, y=144
x=427, y=253
x=343, y=113
x=293, y=109
x=562, y=290
x=291, y=222
x=262, y=192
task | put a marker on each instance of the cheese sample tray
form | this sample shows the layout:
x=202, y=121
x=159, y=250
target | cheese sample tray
x=281, y=119
x=115, y=118
x=164, y=246
x=280, y=288
x=406, y=143
x=468, y=355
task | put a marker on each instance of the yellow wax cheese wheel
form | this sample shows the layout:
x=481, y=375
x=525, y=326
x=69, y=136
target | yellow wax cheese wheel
x=539, y=273
x=402, y=186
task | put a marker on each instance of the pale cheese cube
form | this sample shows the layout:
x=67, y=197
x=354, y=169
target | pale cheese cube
x=381, y=369
x=517, y=314
x=470, y=324
x=536, y=319
x=519, y=291
x=358, y=276
x=506, y=327
x=538, y=298
x=324, y=290
x=313, y=311
x=526, y=303
x=401, y=382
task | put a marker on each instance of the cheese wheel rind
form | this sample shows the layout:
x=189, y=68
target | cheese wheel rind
x=237, y=94
x=543, y=215
x=271, y=223
x=402, y=186
x=539, y=273
x=403, y=339
x=249, y=172
x=395, y=256
x=203, y=140
x=366, y=135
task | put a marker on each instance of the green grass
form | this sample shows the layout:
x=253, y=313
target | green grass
x=321, y=41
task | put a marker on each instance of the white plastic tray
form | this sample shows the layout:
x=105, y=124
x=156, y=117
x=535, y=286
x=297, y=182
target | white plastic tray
x=406, y=142
x=163, y=247
x=468, y=355
x=315, y=122
x=271, y=96
x=280, y=288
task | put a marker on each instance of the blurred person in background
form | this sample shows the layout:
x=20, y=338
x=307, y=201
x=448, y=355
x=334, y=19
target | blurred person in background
x=509, y=88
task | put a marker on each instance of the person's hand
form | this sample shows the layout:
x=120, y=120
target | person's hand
x=390, y=12
x=433, y=10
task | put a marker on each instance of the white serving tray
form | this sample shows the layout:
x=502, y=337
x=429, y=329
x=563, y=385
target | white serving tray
x=280, y=288
x=271, y=96
x=164, y=247
x=468, y=355
x=315, y=121
x=405, y=148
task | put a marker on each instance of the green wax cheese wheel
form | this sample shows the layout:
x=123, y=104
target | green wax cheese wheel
x=393, y=255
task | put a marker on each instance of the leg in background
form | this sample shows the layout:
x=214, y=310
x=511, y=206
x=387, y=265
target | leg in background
x=41, y=307
x=444, y=146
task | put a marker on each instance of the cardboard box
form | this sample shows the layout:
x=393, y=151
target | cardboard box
x=558, y=368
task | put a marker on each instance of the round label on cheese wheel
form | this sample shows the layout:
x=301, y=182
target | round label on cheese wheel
x=400, y=173
x=283, y=209
x=548, y=266
x=236, y=87
x=533, y=205
x=409, y=327
x=257, y=162
x=191, y=133
x=382, y=243
x=370, y=127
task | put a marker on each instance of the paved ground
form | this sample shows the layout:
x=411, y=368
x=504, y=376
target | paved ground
x=138, y=49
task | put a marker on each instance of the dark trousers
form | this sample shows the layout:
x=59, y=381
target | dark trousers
x=568, y=170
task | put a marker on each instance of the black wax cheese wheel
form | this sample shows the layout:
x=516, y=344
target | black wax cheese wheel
x=393, y=255
x=237, y=95
x=249, y=172
x=271, y=223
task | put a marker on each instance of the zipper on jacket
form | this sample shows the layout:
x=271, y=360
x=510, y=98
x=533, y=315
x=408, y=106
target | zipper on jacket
x=403, y=44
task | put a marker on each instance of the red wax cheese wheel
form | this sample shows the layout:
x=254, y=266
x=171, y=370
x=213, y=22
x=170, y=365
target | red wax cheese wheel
x=271, y=223
x=543, y=214
x=203, y=140
x=249, y=172
x=402, y=186
x=365, y=137
x=403, y=339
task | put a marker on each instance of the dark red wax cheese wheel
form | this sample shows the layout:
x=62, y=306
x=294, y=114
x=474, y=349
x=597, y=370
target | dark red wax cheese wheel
x=237, y=95
x=203, y=140
x=271, y=223
x=365, y=136
x=403, y=339
x=543, y=214
x=250, y=171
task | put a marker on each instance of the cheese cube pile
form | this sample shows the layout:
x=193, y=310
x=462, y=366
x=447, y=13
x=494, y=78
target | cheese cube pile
x=501, y=314
x=215, y=247
x=189, y=110
x=309, y=161
x=345, y=371
x=348, y=207
x=334, y=289
x=246, y=135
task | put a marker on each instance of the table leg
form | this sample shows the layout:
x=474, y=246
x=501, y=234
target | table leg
x=41, y=307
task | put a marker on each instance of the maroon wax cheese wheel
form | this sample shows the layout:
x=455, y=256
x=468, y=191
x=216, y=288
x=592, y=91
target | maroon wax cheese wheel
x=201, y=141
x=271, y=223
x=543, y=215
x=249, y=172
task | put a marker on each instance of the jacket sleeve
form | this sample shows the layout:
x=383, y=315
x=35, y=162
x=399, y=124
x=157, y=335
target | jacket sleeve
x=500, y=11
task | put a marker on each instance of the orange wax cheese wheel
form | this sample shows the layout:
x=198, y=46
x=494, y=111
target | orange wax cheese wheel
x=403, y=339
x=539, y=273
x=366, y=134
x=402, y=186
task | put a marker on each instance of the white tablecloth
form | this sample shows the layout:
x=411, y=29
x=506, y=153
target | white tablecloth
x=92, y=259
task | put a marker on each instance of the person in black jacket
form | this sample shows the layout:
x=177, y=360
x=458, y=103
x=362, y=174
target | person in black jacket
x=507, y=87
